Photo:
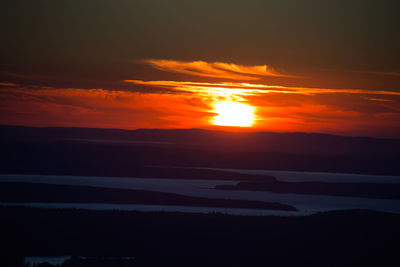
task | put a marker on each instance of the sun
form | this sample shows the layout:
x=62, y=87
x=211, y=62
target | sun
x=233, y=114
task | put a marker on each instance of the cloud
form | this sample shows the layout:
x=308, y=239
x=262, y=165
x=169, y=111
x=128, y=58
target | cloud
x=49, y=106
x=382, y=73
x=192, y=105
x=378, y=99
x=248, y=89
x=2, y=84
x=214, y=69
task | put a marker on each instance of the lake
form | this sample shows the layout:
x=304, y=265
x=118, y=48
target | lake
x=307, y=204
x=297, y=176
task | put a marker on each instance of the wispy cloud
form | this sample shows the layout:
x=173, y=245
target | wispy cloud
x=49, y=106
x=8, y=84
x=242, y=89
x=214, y=69
x=191, y=105
x=233, y=91
x=377, y=99
x=382, y=73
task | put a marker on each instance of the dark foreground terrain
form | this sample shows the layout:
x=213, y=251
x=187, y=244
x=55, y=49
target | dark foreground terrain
x=341, y=238
x=346, y=238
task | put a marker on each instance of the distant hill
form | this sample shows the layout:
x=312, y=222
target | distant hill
x=113, y=152
x=296, y=143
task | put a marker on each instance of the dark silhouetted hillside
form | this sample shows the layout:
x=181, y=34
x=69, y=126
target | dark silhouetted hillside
x=105, y=152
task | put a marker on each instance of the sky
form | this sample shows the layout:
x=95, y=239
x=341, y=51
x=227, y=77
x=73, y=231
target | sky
x=255, y=65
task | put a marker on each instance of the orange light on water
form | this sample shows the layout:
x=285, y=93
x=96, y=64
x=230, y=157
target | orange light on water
x=233, y=114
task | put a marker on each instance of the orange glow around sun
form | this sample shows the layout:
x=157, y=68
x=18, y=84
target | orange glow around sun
x=236, y=105
x=233, y=114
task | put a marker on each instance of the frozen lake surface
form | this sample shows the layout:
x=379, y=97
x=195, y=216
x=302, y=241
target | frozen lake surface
x=56, y=260
x=296, y=176
x=306, y=204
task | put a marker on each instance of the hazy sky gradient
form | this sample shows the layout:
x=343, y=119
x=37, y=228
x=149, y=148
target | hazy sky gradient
x=99, y=44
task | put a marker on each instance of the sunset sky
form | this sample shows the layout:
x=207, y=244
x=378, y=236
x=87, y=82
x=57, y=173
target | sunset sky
x=254, y=65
